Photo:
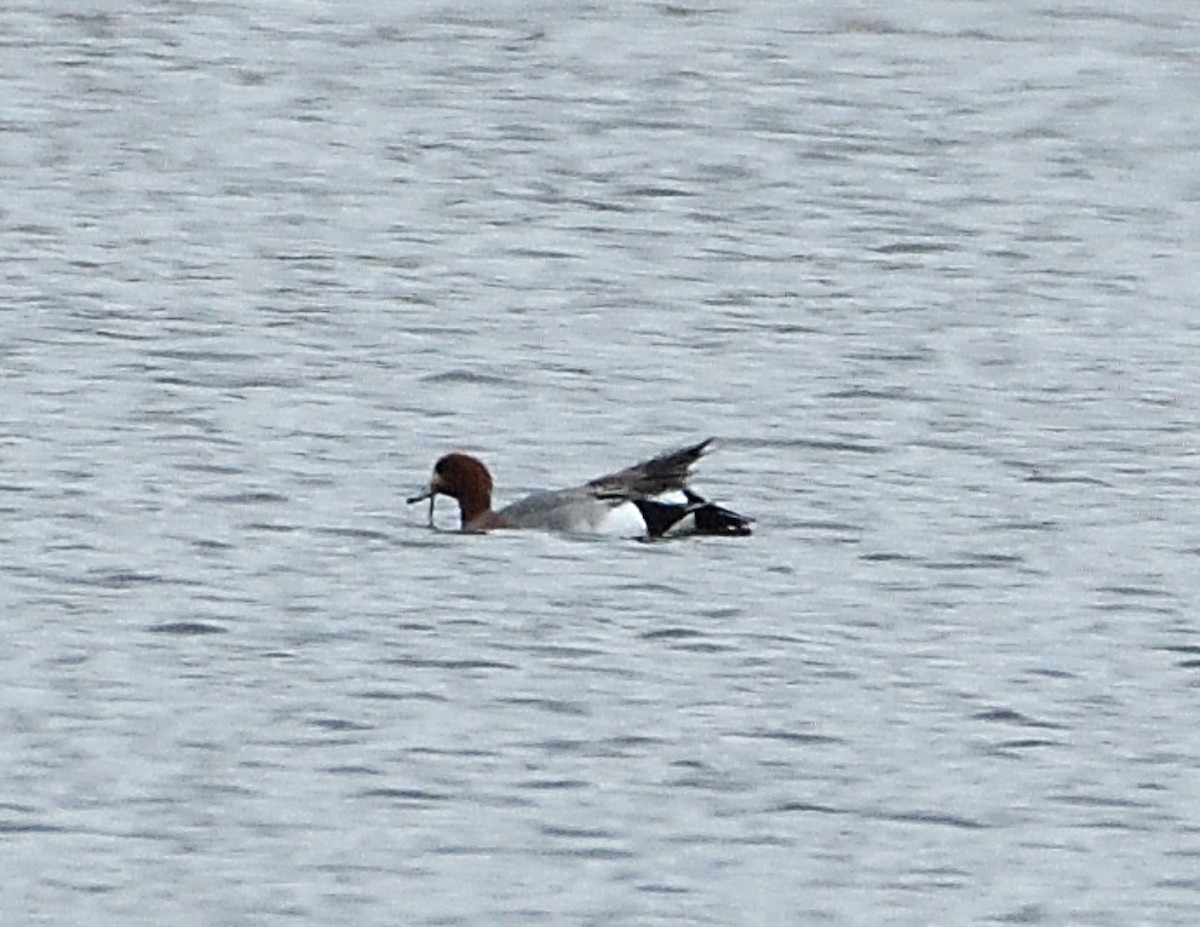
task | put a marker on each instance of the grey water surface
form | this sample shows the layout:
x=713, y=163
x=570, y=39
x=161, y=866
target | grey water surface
x=928, y=271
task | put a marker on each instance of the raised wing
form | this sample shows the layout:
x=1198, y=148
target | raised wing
x=651, y=477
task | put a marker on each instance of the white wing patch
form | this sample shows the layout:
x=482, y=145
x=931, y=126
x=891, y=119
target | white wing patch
x=623, y=521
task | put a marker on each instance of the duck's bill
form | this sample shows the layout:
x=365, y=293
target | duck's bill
x=430, y=493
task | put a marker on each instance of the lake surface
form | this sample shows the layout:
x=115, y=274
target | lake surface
x=928, y=271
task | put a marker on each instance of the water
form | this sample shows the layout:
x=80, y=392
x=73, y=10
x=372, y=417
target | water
x=930, y=274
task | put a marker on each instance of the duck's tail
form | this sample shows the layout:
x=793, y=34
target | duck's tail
x=694, y=516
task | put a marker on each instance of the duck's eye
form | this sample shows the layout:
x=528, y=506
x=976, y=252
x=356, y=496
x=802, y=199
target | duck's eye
x=441, y=467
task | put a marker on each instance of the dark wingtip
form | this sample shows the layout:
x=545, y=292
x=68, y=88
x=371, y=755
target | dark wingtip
x=699, y=449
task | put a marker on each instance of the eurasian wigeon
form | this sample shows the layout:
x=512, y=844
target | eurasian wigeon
x=623, y=502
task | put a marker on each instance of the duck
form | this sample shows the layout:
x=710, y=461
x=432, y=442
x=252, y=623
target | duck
x=650, y=500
